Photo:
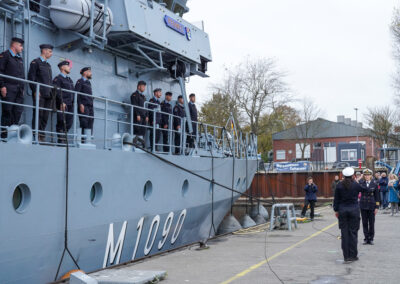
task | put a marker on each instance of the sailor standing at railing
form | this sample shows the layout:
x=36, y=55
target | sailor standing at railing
x=140, y=116
x=154, y=104
x=85, y=103
x=193, y=117
x=65, y=101
x=40, y=71
x=166, y=107
x=11, y=64
x=179, y=113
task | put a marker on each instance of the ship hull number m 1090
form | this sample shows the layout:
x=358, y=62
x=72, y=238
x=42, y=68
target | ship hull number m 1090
x=113, y=250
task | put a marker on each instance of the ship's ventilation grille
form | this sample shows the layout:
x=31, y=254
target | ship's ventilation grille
x=147, y=190
x=185, y=188
x=21, y=198
x=96, y=193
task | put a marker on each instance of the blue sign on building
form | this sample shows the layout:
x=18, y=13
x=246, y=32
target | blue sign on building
x=292, y=167
x=178, y=27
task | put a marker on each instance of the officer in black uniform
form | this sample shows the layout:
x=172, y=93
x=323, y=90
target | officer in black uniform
x=179, y=111
x=345, y=205
x=140, y=114
x=85, y=103
x=153, y=105
x=369, y=205
x=65, y=101
x=193, y=116
x=166, y=108
x=11, y=64
x=40, y=71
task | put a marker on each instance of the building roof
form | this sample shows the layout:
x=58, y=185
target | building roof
x=321, y=128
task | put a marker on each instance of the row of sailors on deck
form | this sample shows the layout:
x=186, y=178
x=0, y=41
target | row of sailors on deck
x=162, y=120
x=12, y=91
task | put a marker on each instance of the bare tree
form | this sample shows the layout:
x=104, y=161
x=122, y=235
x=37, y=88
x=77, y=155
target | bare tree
x=381, y=120
x=395, y=29
x=309, y=125
x=258, y=87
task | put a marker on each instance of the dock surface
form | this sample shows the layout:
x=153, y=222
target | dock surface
x=310, y=254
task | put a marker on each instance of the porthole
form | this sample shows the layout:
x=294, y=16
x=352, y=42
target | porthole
x=147, y=190
x=185, y=187
x=21, y=198
x=96, y=193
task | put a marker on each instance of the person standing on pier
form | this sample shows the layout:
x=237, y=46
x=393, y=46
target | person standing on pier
x=369, y=204
x=383, y=183
x=311, y=197
x=345, y=205
x=394, y=194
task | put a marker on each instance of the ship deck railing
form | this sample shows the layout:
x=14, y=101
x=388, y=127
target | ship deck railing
x=119, y=116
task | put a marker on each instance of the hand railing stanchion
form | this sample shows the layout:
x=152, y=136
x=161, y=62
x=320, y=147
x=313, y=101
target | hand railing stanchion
x=132, y=120
x=75, y=118
x=154, y=132
x=37, y=113
x=170, y=129
x=183, y=138
x=105, y=123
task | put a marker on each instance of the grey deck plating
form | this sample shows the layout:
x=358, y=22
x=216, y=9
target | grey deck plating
x=304, y=255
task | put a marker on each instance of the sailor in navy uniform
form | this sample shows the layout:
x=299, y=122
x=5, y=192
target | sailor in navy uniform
x=345, y=205
x=65, y=100
x=140, y=116
x=40, y=71
x=11, y=64
x=369, y=205
x=193, y=116
x=166, y=108
x=85, y=103
x=153, y=105
x=179, y=113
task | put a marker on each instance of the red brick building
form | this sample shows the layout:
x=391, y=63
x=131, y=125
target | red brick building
x=326, y=141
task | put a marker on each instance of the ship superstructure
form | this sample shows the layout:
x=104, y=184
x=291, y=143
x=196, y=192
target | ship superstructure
x=108, y=200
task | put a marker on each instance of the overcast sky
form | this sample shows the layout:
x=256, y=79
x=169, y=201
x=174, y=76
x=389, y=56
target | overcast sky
x=337, y=52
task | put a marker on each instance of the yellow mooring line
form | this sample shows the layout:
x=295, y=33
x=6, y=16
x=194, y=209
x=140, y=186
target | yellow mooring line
x=255, y=266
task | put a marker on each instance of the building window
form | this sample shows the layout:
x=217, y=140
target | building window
x=299, y=147
x=329, y=144
x=281, y=155
x=348, y=155
x=317, y=145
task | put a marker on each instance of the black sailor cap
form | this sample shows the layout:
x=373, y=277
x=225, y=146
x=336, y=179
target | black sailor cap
x=62, y=63
x=46, y=46
x=84, y=69
x=17, y=39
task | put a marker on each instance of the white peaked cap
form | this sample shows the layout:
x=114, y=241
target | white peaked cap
x=348, y=172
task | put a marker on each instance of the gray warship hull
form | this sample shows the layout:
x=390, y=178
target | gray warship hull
x=113, y=203
x=123, y=225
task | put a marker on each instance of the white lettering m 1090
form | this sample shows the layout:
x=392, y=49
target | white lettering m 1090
x=113, y=251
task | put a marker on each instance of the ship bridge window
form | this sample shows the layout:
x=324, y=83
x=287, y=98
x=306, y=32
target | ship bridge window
x=21, y=198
